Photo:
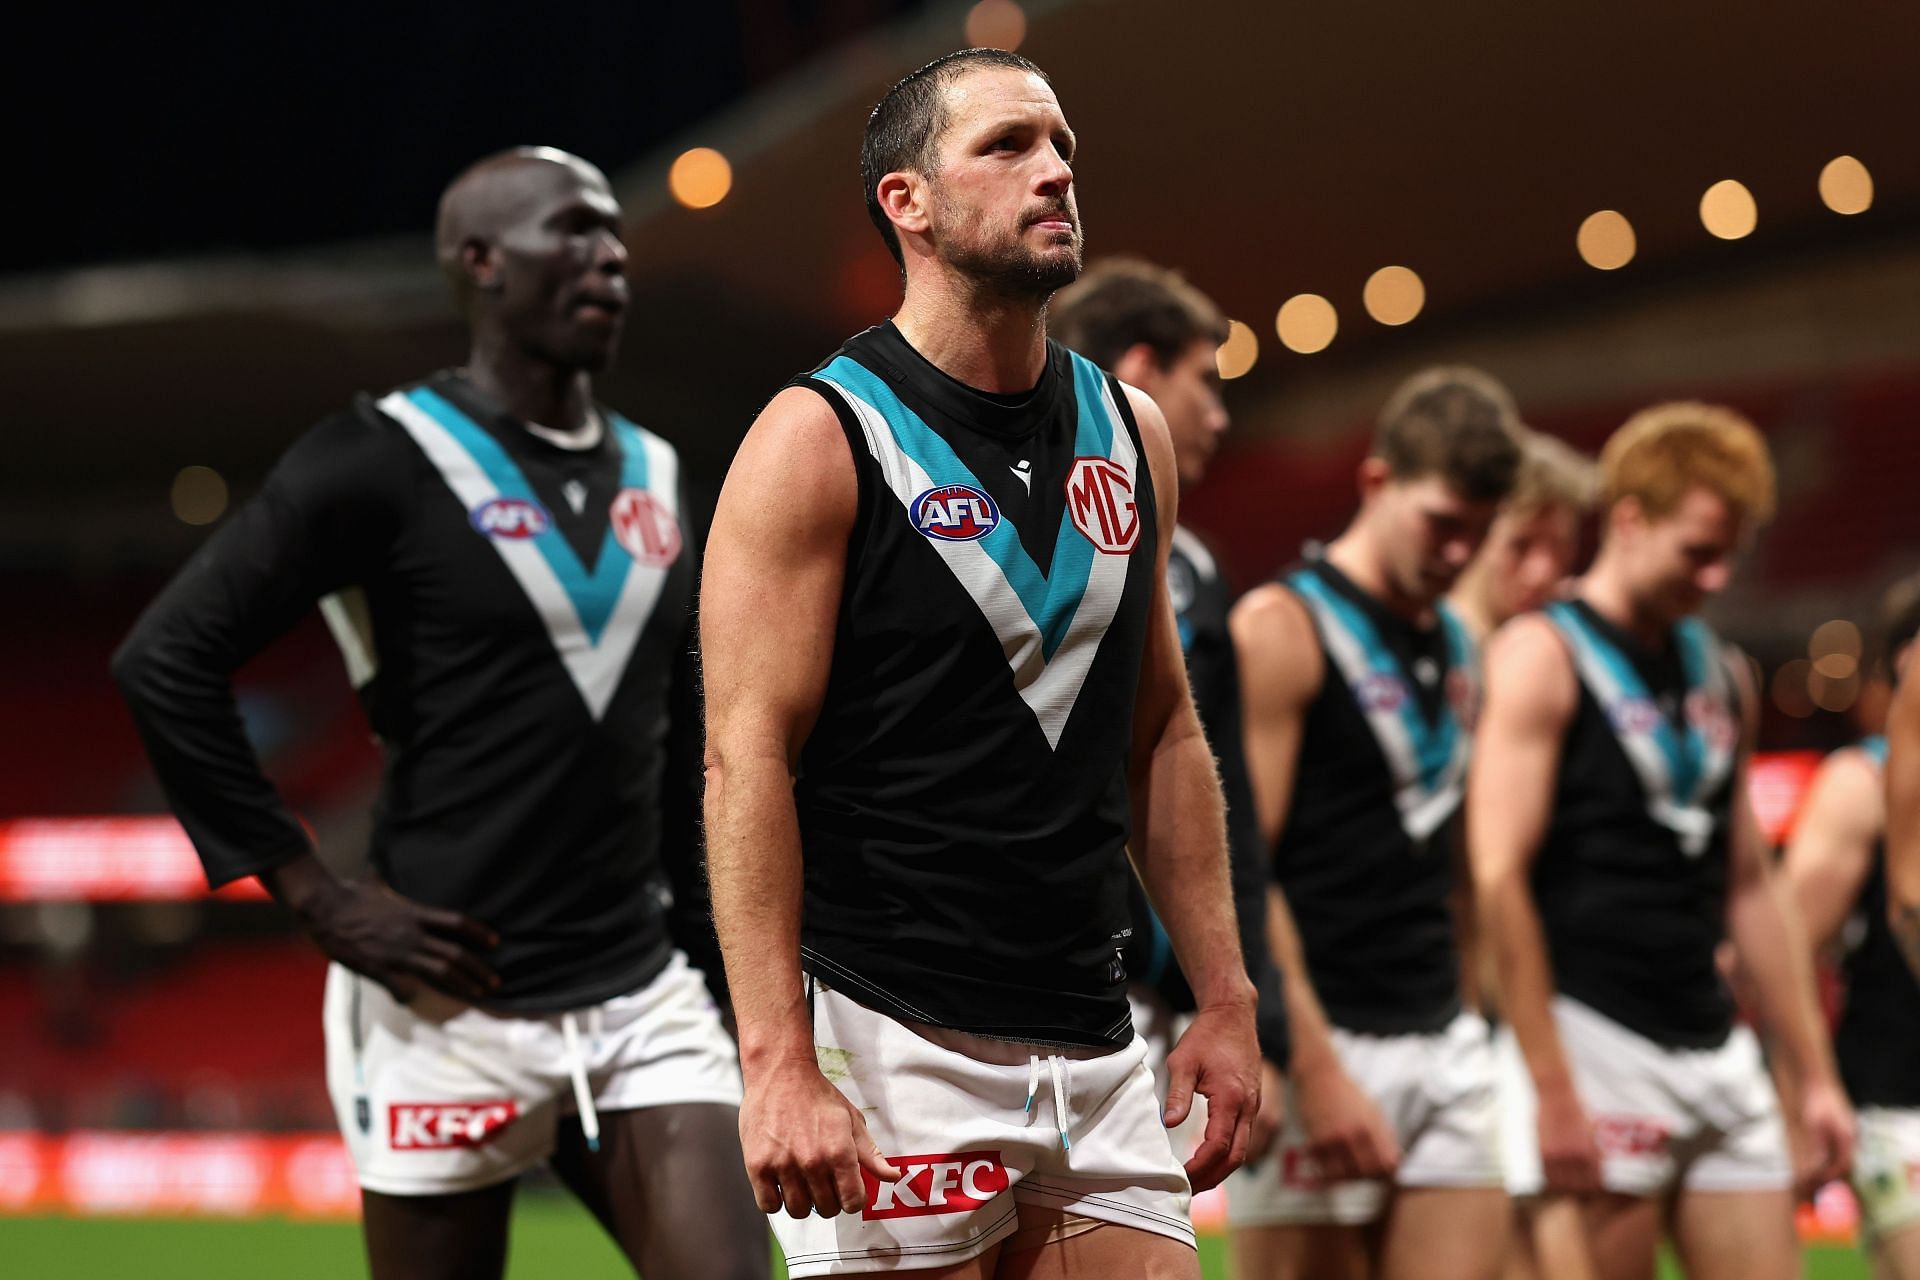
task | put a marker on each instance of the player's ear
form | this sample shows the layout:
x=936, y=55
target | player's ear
x=481, y=264
x=1136, y=366
x=903, y=197
x=1373, y=476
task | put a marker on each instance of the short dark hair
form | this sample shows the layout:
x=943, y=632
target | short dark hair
x=906, y=125
x=1899, y=622
x=1121, y=302
x=1454, y=422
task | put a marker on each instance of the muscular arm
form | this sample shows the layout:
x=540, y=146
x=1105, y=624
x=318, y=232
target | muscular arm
x=1831, y=852
x=1770, y=941
x=1179, y=846
x=771, y=559
x=1903, y=820
x=1531, y=697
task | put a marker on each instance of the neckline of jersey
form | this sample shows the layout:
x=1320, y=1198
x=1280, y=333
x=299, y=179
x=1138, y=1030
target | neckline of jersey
x=1015, y=416
x=511, y=432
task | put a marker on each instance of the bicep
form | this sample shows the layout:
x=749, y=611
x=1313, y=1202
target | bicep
x=770, y=592
x=1530, y=698
x=1279, y=665
x=1831, y=852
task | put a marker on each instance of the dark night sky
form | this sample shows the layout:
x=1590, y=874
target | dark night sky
x=182, y=129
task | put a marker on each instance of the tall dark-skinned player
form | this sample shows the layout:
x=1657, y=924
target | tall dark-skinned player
x=509, y=572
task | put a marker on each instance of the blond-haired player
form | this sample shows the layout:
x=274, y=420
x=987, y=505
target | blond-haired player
x=1613, y=849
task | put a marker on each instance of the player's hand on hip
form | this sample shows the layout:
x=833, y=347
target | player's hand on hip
x=399, y=943
x=1347, y=1136
x=1218, y=1057
x=1569, y=1155
x=1826, y=1130
x=805, y=1144
x=1272, y=1113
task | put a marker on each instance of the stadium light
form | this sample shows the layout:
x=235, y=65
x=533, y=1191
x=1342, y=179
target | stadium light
x=700, y=178
x=1846, y=186
x=1727, y=210
x=1605, y=240
x=1394, y=295
x=199, y=495
x=996, y=24
x=1307, y=323
x=1238, y=353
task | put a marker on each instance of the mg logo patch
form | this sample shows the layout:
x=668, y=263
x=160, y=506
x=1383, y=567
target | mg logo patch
x=511, y=518
x=954, y=513
x=952, y=1183
x=1100, y=502
x=644, y=527
x=440, y=1126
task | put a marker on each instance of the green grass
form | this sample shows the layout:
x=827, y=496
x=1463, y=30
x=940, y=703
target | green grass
x=551, y=1237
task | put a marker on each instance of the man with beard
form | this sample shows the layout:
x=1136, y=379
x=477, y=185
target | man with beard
x=506, y=567
x=945, y=697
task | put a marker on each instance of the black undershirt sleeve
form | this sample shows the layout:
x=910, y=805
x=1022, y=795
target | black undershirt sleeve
x=322, y=521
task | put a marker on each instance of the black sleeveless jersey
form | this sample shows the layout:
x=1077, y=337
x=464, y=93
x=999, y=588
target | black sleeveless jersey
x=1366, y=856
x=1878, y=1039
x=1201, y=600
x=963, y=796
x=1631, y=879
x=516, y=617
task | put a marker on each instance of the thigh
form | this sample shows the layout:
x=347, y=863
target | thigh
x=1106, y=1249
x=444, y=1237
x=1896, y=1256
x=669, y=1185
x=1736, y=1235
x=1554, y=1239
x=1434, y=1233
x=1623, y=1235
x=1299, y=1253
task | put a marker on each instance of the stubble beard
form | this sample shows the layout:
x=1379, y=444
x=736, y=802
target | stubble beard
x=1008, y=268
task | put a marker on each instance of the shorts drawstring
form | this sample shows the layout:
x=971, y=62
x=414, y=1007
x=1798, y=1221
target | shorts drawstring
x=577, y=1069
x=1057, y=1067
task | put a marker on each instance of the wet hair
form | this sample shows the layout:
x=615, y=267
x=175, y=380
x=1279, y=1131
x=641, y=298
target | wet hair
x=1553, y=474
x=1121, y=302
x=1456, y=423
x=905, y=127
x=1663, y=452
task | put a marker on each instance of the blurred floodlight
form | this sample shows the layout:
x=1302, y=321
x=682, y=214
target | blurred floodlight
x=996, y=24
x=1790, y=692
x=1727, y=210
x=1836, y=638
x=1846, y=186
x=199, y=495
x=1830, y=694
x=1605, y=240
x=700, y=178
x=1394, y=295
x=1306, y=323
x=1237, y=354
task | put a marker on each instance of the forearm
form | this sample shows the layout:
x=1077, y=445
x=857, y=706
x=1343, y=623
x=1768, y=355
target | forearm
x=1180, y=849
x=1307, y=1023
x=1767, y=935
x=1525, y=979
x=754, y=873
x=1903, y=821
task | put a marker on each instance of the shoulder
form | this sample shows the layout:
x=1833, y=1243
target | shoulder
x=1527, y=665
x=1850, y=775
x=356, y=451
x=1277, y=642
x=796, y=449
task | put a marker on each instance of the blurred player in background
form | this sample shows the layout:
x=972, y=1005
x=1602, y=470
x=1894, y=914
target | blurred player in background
x=1835, y=865
x=945, y=699
x=1614, y=848
x=1359, y=690
x=1525, y=560
x=1153, y=330
x=1903, y=821
x=1533, y=543
x=507, y=568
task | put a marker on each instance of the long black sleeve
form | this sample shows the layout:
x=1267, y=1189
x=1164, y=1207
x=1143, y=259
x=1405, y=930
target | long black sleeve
x=324, y=508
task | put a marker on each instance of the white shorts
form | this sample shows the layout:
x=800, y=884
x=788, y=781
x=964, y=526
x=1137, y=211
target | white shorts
x=981, y=1126
x=1698, y=1119
x=1886, y=1170
x=1436, y=1092
x=436, y=1096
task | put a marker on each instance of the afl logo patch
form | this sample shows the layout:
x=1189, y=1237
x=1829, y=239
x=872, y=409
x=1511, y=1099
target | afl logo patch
x=1636, y=716
x=644, y=527
x=1100, y=500
x=954, y=513
x=1381, y=692
x=511, y=518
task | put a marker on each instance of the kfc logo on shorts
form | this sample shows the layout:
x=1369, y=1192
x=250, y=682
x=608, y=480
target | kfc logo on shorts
x=511, y=518
x=955, y=513
x=1299, y=1169
x=1100, y=500
x=441, y=1126
x=1629, y=1136
x=1636, y=715
x=1381, y=691
x=935, y=1184
x=643, y=525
